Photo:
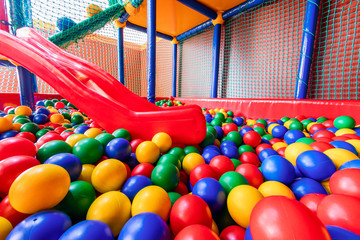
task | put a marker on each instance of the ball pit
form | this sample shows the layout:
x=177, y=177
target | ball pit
x=109, y=184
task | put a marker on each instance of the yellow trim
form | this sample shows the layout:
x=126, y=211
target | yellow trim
x=130, y=9
x=219, y=19
x=118, y=24
x=174, y=41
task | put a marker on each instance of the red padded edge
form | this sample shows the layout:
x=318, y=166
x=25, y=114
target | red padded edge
x=13, y=99
x=276, y=108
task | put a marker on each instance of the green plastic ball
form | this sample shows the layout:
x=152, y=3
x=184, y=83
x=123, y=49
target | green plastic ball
x=260, y=131
x=11, y=111
x=49, y=103
x=178, y=152
x=344, y=122
x=246, y=148
x=321, y=119
x=262, y=121
x=267, y=137
x=216, y=122
x=66, y=115
x=122, y=133
x=170, y=158
x=30, y=127
x=173, y=197
x=77, y=119
x=285, y=119
x=166, y=175
x=22, y=120
x=236, y=162
x=230, y=113
x=212, y=130
x=305, y=140
x=229, y=120
x=88, y=150
x=51, y=148
x=220, y=116
x=306, y=122
x=232, y=179
x=191, y=149
x=41, y=133
x=208, y=140
x=67, y=125
x=104, y=138
x=296, y=126
x=235, y=137
x=71, y=105
x=64, y=101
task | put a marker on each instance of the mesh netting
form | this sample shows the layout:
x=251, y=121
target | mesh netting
x=336, y=65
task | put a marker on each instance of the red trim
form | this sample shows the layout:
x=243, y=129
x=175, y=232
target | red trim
x=276, y=108
x=13, y=99
x=3, y=16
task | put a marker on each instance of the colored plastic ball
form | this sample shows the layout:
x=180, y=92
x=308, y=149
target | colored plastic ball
x=241, y=201
x=163, y=141
x=229, y=128
x=174, y=196
x=134, y=184
x=152, y=199
x=277, y=168
x=178, y=152
x=212, y=192
x=344, y=122
x=170, y=158
x=75, y=138
x=351, y=164
x=6, y=227
x=338, y=233
x=8, y=212
x=245, y=148
x=118, y=148
x=8, y=134
x=122, y=133
x=292, y=136
x=294, y=150
x=340, y=156
x=221, y=164
x=273, y=188
x=252, y=138
x=43, y=225
x=230, y=152
x=69, y=162
x=346, y=182
x=43, y=111
x=78, y=200
x=208, y=140
x=93, y=132
x=267, y=153
x=57, y=118
x=40, y=118
x=104, y=138
x=191, y=149
x=251, y=158
x=344, y=145
x=304, y=186
x=232, y=179
x=112, y=208
x=16, y=146
x=77, y=119
x=235, y=137
x=109, y=175
x=252, y=174
x=316, y=165
x=52, y=148
x=239, y=121
x=189, y=210
x=88, y=229
x=166, y=175
x=145, y=226
x=233, y=233
x=312, y=201
x=192, y=160
x=201, y=171
x=197, y=231
x=147, y=152
x=279, y=131
x=341, y=211
x=88, y=150
x=81, y=129
x=144, y=169
x=210, y=154
x=284, y=214
x=23, y=110
x=321, y=146
x=5, y=124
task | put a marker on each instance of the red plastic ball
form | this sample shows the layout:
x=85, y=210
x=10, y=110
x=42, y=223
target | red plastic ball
x=328, y=123
x=251, y=158
x=340, y=138
x=251, y=173
x=50, y=136
x=28, y=135
x=233, y=233
x=184, y=177
x=261, y=147
x=134, y=144
x=229, y=128
x=221, y=164
x=281, y=151
x=324, y=139
x=65, y=135
x=351, y=136
x=274, y=140
x=189, y=210
x=181, y=189
x=144, y=169
x=252, y=138
x=312, y=201
x=94, y=125
x=315, y=127
x=323, y=133
x=8, y=212
x=258, y=125
x=15, y=146
x=346, y=181
x=198, y=232
x=59, y=105
x=300, y=117
x=321, y=146
x=59, y=130
x=201, y=171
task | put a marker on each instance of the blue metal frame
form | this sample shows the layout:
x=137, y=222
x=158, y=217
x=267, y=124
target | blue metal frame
x=121, y=55
x=307, y=48
x=200, y=8
x=174, y=68
x=144, y=30
x=215, y=61
x=6, y=63
x=151, y=49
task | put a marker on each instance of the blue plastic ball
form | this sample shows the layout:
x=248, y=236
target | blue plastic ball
x=49, y=225
x=227, y=144
x=40, y=104
x=210, y=154
x=304, y=186
x=239, y=121
x=211, y=148
x=316, y=165
x=344, y=145
x=278, y=168
x=134, y=184
x=332, y=129
x=292, y=135
x=7, y=134
x=279, y=131
x=220, y=132
x=132, y=162
x=267, y=153
x=145, y=225
x=81, y=129
x=338, y=233
x=40, y=118
x=118, y=148
x=211, y=191
x=245, y=130
x=90, y=230
x=43, y=111
x=248, y=235
x=230, y=152
x=351, y=164
x=64, y=23
x=69, y=162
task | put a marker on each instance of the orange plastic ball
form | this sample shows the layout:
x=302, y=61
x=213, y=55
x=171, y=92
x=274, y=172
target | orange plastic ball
x=57, y=118
x=23, y=110
x=147, y=152
x=163, y=141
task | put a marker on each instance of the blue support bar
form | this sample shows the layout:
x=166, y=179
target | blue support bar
x=174, y=70
x=200, y=8
x=250, y=4
x=194, y=30
x=307, y=48
x=215, y=61
x=6, y=63
x=144, y=30
x=151, y=49
x=121, y=55
x=26, y=87
x=124, y=17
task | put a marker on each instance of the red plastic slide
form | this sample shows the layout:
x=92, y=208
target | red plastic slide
x=98, y=94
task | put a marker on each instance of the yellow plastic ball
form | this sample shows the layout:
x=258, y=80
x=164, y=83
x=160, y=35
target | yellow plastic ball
x=76, y=113
x=241, y=201
x=86, y=173
x=306, y=134
x=278, y=145
x=163, y=141
x=53, y=110
x=5, y=124
x=326, y=185
x=23, y=110
x=190, y=161
x=74, y=138
x=57, y=118
x=250, y=122
x=274, y=188
x=92, y=10
x=109, y=175
x=216, y=110
x=309, y=125
x=112, y=208
x=147, y=152
x=340, y=156
x=93, y=132
x=5, y=228
x=270, y=128
x=294, y=150
x=10, y=117
x=38, y=188
x=287, y=124
x=152, y=199
x=355, y=143
x=16, y=126
x=211, y=111
x=344, y=131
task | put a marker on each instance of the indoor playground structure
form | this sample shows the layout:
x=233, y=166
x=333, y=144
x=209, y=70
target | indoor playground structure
x=179, y=119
